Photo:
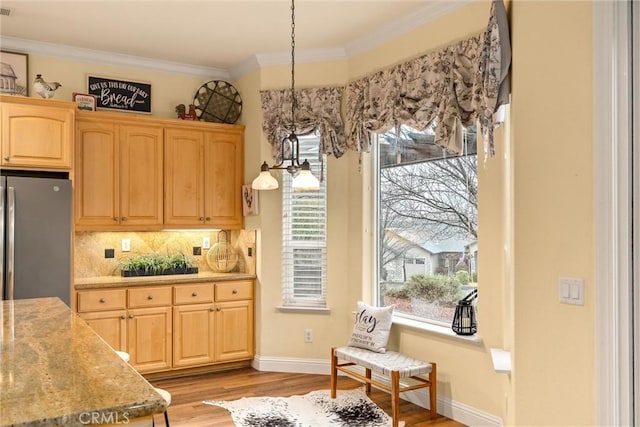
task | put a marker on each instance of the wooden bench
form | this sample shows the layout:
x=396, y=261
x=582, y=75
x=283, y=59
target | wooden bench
x=389, y=364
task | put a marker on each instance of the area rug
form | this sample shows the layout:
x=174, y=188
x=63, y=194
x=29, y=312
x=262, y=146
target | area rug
x=351, y=408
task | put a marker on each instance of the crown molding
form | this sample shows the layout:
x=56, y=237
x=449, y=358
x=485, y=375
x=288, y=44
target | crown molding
x=429, y=13
x=110, y=58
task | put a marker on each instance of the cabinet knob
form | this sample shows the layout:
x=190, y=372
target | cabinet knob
x=124, y=218
x=150, y=297
x=131, y=316
x=195, y=294
x=123, y=317
x=116, y=218
x=201, y=219
x=102, y=300
x=212, y=309
x=208, y=218
x=7, y=158
x=218, y=309
x=235, y=291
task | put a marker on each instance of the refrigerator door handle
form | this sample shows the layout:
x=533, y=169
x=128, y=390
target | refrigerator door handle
x=11, y=227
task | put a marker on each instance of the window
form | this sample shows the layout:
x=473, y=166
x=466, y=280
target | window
x=427, y=218
x=304, y=238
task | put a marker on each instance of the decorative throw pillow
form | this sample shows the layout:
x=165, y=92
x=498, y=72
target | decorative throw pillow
x=371, y=328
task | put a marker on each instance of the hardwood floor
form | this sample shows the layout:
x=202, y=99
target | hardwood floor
x=187, y=394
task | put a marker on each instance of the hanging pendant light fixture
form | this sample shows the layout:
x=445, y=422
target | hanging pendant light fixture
x=303, y=178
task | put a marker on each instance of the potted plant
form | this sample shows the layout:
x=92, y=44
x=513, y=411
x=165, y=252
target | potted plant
x=157, y=265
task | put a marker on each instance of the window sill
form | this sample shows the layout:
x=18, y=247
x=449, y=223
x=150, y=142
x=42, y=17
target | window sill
x=307, y=310
x=440, y=331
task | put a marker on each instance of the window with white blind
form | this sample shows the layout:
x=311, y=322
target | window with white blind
x=304, y=240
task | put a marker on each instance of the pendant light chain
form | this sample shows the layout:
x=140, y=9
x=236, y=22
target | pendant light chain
x=293, y=63
x=303, y=178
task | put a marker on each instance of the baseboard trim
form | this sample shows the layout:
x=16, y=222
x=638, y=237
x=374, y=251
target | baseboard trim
x=457, y=411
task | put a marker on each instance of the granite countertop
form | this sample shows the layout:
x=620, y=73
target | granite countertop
x=120, y=282
x=55, y=370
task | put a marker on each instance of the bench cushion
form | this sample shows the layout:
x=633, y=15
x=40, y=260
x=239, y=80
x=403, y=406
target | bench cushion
x=384, y=363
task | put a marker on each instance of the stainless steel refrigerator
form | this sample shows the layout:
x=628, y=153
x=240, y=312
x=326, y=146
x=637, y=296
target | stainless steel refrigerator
x=35, y=237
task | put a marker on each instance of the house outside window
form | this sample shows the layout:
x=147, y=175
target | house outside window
x=304, y=239
x=427, y=216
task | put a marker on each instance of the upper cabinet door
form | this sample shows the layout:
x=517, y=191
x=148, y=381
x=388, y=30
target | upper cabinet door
x=223, y=178
x=141, y=174
x=96, y=185
x=37, y=136
x=184, y=183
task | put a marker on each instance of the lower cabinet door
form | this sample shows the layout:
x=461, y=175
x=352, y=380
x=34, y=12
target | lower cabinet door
x=234, y=331
x=149, y=338
x=110, y=325
x=193, y=329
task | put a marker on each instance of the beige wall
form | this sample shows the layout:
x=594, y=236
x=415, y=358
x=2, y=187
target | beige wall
x=536, y=221
x=554, y=374
x=167, y=90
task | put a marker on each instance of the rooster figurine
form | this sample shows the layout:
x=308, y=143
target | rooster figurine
x=44, y=89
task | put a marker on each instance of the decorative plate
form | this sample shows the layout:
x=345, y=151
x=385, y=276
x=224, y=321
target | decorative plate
x=218, y=101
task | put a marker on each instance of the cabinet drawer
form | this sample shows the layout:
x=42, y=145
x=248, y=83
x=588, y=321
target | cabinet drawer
x=193, y=294
x=102, y=300
x=232, y=291
x=149, y=297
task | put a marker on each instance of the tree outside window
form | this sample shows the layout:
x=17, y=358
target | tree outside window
x=428, y=210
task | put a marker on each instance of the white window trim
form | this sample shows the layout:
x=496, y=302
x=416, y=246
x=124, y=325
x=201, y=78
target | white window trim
x=611, y=208
x=432, y=328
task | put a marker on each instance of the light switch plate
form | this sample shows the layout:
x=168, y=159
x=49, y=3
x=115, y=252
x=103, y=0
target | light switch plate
x=571, y=290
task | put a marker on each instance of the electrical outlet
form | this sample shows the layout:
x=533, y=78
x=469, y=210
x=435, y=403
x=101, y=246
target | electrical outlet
x=308, y=335
x=126, y=245
x=109, y=253
x=197, y=250
x=206, y=242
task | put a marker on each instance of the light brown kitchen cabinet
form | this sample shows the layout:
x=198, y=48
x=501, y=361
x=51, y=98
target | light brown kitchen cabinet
x=193, y=335
x=36, y=134
x=149, y=338
x=149, y=323
x=193, y=324
x=119, y=175
x=104, y=310
x=234, y=320
x=173, y=327
x=203, y=177
x=110, y=325
x=234, y=330
x=143, y=329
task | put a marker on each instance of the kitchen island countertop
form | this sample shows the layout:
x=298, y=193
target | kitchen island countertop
x=118, y=281
x=55, y=370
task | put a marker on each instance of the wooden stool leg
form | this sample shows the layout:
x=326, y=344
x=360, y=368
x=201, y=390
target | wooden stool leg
x=433, y=395
x=368, y=384
x=395, y=397
x=334, y=372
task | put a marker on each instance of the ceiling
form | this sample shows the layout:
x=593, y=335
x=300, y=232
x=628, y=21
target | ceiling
x=209, y=36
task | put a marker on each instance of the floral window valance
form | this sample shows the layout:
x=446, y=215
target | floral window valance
x=317, y=109
x=450, y=88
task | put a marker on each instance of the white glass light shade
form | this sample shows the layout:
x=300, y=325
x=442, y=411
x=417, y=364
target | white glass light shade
x=305, y=181
x=264, y=181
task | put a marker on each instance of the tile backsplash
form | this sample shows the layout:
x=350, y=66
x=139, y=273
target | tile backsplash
x=89, y=249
